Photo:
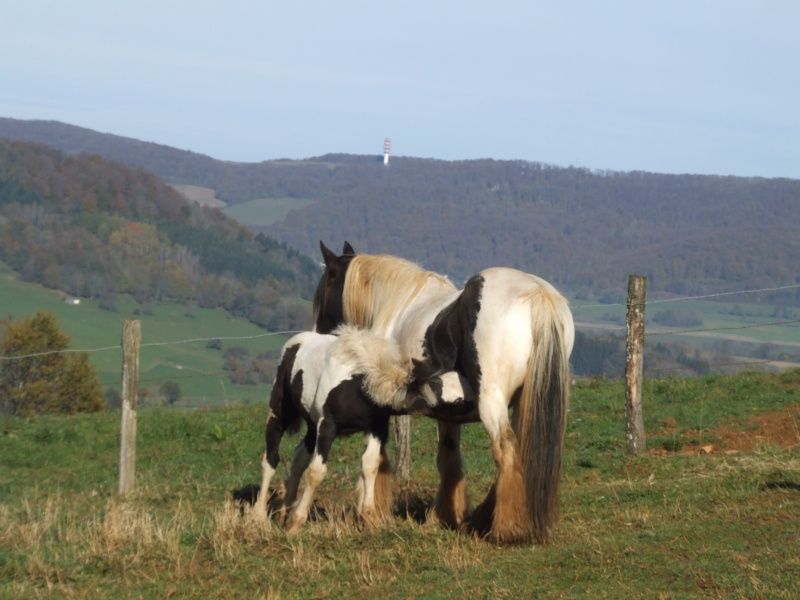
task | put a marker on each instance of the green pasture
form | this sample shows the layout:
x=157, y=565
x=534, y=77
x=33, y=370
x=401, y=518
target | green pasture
x=264, y=211
x=746, y=322
x=173, y=345
x=666, y=524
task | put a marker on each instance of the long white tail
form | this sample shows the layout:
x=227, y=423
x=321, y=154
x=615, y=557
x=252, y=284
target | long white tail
x=542, y=410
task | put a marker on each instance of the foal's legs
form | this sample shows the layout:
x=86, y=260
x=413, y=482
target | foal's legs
x=300, y=462
x=452, y=504
x=269, y=462
x=374, y=487
x=326, y=432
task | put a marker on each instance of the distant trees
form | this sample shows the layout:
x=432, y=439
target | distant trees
x=44, y=379
x=584, y=231
x=170, y=392
x=244, y=370
x=97, y=229
x=579, y=229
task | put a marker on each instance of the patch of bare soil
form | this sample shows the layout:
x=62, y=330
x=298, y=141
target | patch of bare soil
x=777, y=428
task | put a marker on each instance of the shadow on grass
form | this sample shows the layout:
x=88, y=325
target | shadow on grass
x=410, y=502
x=781, y=485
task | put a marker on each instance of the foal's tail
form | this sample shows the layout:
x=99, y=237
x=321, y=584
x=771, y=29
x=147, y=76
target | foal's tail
x=542, y=410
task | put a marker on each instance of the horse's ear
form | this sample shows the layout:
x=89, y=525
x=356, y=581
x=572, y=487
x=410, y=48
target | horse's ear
x=348, y=249
x=328, y=256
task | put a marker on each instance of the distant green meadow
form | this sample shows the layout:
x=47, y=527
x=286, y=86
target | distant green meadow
x=264, y=211
x=748, y=322
x=174, y=343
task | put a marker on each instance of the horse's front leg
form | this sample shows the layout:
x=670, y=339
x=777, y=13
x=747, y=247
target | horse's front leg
x=315, y=474
x=451, y=507
x=374, y=489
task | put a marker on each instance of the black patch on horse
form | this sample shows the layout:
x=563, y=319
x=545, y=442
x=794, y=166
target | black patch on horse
x=350, y=411
x=284, y=389
x=285, y=408
x=449, y=343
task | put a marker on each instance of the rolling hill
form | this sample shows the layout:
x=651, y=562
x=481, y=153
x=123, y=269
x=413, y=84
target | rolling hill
x=98, y=229
x=585, y=231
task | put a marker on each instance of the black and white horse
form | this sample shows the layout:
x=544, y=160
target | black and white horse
x=353, y=381
x=509, y=334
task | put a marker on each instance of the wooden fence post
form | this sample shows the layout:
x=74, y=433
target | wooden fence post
x=634, y=422
x=131, y=338
x=402, y=446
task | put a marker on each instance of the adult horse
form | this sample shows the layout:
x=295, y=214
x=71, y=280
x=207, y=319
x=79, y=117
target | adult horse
x=509, y=334
x=341, y=384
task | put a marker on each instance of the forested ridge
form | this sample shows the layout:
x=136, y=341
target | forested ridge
x=95, y=228
x=585, y=231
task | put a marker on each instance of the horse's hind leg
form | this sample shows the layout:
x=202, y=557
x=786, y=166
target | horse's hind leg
x=451, y=507
x=502, y=517
x=326, y=431
x=269, y=463
x=300, y=462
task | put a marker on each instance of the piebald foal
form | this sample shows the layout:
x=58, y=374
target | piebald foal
x=342, y=383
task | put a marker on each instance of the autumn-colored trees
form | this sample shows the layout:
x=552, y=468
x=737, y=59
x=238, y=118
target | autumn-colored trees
x=98, y=229
x=584, y=231
x=37, y=375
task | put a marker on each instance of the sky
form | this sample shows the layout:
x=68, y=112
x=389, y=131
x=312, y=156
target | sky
x=676, y=86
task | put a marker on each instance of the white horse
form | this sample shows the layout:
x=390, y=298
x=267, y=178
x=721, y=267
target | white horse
x=340, y=384
x=509, y=334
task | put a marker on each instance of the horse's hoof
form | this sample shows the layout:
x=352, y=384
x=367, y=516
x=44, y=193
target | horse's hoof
x=510, y=536
x=259, y=513
x=370, y=519
x=294, y=525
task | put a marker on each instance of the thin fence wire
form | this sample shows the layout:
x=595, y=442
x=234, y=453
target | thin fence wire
x=687, y=331
x=152, y=344
x=615, y=339
x=685, y=298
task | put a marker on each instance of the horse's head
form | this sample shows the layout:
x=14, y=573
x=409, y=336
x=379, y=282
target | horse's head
x=437, y=388
x=424, y=386
x=328, y=306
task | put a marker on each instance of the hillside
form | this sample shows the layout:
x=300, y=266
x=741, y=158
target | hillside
x=583, y=230
x=94, y=228
x=214, y=359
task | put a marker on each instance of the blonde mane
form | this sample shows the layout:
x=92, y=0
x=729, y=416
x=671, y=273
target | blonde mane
x=378, y=288
x=386, y=370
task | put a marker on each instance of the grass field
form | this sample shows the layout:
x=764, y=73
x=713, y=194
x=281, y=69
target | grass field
x=711, y=510
x=165, y=352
